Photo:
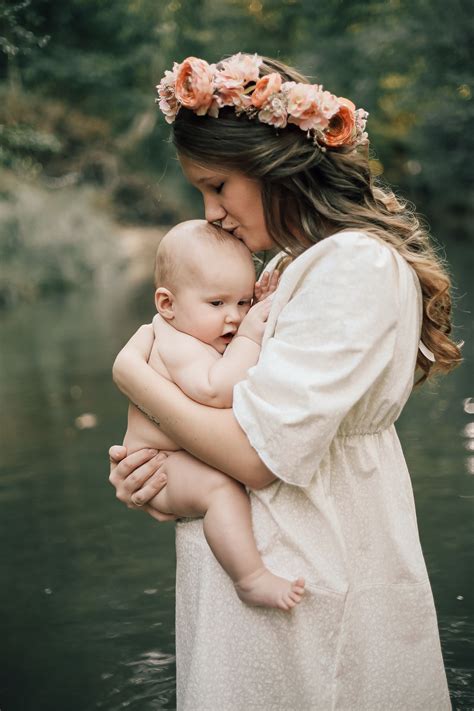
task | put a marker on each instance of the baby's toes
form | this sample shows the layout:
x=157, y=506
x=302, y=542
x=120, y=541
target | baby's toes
x=298, y=586
x=295, y=597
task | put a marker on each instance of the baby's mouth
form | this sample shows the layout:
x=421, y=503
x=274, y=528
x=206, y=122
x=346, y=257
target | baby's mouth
x=228, y=336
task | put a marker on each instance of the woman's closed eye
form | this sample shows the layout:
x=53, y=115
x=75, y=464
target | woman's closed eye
x=218, y=188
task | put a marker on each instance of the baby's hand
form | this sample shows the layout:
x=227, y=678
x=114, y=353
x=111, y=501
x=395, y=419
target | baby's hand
x=267, y=284
x=253, y=324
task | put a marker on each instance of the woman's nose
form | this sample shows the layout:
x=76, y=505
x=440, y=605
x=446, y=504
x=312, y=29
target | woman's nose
x=213, y=210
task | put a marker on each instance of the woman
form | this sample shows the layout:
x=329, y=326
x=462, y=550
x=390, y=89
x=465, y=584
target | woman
x=281, y=163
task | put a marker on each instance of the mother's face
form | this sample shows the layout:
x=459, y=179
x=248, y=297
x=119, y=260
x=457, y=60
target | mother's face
x=234, y=200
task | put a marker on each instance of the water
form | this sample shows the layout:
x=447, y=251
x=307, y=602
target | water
x=87, y=594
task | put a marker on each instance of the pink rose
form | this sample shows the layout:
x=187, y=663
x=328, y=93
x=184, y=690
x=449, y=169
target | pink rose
x=229, y=94
x=194, y=85
x=233, y=76
x=328, y=104
x=266, y=87
x=241, y=68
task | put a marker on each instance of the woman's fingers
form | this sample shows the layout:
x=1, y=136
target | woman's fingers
x=116, y=453
x=129, y=475
x=129, y=464
x=150, y=488
x=136, y=480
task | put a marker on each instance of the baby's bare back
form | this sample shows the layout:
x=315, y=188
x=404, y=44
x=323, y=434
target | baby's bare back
x=141, y=431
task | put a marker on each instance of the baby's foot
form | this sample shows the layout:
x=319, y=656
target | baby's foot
x=267, y=590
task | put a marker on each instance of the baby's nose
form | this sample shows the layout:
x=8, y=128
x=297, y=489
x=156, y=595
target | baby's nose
x=232, y=315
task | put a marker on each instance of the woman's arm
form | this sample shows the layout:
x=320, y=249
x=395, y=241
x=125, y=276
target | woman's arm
x=210, y=434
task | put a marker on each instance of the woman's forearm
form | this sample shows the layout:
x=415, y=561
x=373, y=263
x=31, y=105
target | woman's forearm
x=210, y=434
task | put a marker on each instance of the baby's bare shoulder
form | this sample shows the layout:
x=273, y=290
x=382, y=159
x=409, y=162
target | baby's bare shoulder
x=176, y=347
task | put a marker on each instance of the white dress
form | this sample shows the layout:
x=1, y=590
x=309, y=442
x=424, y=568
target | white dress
x=336, y=369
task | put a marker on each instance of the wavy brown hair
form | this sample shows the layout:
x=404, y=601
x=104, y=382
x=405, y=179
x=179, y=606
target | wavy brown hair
x=309, y=194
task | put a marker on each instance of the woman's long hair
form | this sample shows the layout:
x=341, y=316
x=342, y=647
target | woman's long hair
x=310, y=193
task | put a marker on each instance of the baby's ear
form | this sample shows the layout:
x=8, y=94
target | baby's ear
x=164, y=302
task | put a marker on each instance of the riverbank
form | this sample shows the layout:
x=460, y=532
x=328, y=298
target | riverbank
x=54, y=241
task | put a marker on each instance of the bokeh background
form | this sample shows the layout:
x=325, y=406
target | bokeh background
x=88, y=184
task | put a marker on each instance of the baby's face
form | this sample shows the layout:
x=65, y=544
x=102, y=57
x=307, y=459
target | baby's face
x=212, y=307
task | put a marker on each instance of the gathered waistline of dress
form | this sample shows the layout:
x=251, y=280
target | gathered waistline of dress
x=360, y=433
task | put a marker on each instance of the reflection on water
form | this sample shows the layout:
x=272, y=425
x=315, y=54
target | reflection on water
x=87, y=612
x=145, y=682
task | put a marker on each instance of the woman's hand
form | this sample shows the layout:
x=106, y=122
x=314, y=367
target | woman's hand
x=129, y=474
x=267, y=284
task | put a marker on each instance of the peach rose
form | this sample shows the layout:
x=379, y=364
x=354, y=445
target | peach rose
x=266, y=87
x=194, y=85
x=304, y=108
x=342, y=126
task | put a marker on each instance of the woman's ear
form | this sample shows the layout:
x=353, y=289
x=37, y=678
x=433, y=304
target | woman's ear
x=164, y=302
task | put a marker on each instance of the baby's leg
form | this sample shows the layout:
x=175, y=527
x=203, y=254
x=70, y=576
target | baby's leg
x=195, y=489
x=143, y=433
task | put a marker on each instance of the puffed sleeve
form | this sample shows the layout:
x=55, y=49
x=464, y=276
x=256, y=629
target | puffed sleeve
x=332, y=341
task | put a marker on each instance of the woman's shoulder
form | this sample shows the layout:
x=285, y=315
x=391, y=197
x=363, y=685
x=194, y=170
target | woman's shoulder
x=357, y=241
x=343, y=240
x=349, y=251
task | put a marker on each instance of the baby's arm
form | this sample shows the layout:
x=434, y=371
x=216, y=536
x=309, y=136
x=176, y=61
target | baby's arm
x=199, y=370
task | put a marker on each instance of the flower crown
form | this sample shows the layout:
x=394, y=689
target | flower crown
x=330, y=121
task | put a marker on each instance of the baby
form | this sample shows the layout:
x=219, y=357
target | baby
x=208, y=335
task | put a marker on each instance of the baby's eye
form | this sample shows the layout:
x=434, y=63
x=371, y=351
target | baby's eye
x=244, y=302
x=216, y=303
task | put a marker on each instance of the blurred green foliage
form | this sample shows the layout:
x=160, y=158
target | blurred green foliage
x=77, y=89
x=89, y=67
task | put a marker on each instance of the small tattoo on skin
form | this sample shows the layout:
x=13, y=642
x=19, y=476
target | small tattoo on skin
x=150, y=417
